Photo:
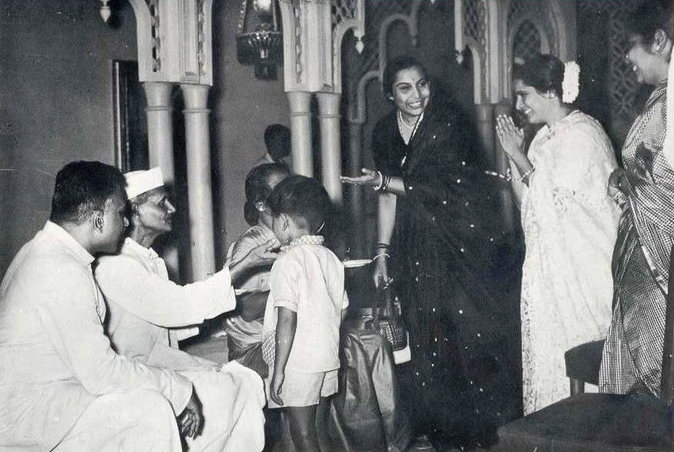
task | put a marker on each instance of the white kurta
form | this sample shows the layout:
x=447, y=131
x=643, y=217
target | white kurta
x=570, y=226
x=145, y=307
x=55, y=360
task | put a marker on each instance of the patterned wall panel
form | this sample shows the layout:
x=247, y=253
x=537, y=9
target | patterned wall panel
x=530, y=9
x=527, y=42
x=621, y=88
x=376, y=11
x=475, y=21
x=343, y=10
x=517, y=9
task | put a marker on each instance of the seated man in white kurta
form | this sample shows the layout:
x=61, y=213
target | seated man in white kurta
x=148, y=314
x=62, y=388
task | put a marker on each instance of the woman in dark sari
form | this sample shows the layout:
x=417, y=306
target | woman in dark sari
x=439, y=225
x=632, y=358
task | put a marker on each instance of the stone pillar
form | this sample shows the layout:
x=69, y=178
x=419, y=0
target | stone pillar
x=160, y=147
x=300, y=130
x=160, y=127
x=510, y=212
x=331, y=155
x=197, y=148
x=485, y=127
x=358, y=241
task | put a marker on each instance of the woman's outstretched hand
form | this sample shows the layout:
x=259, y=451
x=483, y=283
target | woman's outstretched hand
x=510, y=137
x=370, y=178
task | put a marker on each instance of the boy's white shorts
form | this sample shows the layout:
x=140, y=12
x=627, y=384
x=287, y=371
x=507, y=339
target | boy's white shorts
x=304, y=388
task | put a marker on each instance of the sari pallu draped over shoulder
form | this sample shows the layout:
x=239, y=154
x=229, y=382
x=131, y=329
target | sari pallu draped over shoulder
x=650, y=182
x=459, y=201
x=632, y=356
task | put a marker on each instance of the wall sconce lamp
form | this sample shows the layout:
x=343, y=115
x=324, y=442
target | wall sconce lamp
x=105, y=11
x=263, y=46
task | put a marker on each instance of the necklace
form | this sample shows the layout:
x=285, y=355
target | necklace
x=407, y=131
x=303, y=240
x=402, y=121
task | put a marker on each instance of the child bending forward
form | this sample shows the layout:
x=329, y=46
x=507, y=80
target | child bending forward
x=306, y=305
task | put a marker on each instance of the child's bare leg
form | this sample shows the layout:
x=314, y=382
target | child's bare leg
x=303, y=428
x=322, y=418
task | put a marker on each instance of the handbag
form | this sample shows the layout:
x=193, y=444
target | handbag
x=388, y=322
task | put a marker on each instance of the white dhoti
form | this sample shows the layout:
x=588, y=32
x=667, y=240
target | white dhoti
x=125, y=422
x=147, y=317
x=232, y=401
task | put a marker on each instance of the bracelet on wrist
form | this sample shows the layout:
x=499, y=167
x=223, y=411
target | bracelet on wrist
x=376, y=256
x=381, y=181
x=387, y=180
x=508, y=177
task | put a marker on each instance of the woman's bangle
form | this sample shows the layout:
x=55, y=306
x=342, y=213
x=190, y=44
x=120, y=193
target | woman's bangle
x=386, y=255
x=381, y=182
x=387, y=180
x=381, y=247
x=526, y=174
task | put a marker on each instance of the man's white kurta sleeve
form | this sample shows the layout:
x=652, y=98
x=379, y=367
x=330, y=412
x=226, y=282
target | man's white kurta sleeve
x=153, y=298
x=71, y=320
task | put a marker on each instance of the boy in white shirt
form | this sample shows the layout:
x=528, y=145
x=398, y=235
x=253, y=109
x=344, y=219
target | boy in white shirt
x=306, y=306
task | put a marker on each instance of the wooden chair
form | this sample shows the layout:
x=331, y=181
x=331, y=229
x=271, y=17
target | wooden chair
x=603, y=422
x=582, y=365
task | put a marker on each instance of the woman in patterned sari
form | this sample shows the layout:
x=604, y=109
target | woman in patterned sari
x=632, y=357
x=439, y=226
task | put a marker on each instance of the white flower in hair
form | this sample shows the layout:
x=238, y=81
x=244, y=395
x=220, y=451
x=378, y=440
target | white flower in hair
x=570, y=82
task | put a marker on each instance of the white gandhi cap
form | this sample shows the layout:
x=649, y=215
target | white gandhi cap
x=138, y=182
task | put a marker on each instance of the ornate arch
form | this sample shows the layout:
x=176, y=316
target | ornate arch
x=552, y=26
x=357, y=112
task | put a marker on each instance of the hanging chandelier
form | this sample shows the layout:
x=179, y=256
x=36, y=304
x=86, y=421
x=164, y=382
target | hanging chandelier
x=263, y=44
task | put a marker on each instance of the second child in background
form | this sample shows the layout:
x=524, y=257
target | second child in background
x=244, y=327
x=305, y=309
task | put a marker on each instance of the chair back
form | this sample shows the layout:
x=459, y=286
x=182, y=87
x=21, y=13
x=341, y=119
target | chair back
x=667, y=382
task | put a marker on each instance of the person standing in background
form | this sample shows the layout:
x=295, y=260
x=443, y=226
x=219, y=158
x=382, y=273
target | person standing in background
x=244, y=326
x=569, y=223
x=277, y=141
x=632, y=356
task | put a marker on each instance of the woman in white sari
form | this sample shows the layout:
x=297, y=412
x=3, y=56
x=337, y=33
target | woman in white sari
x=569, y=224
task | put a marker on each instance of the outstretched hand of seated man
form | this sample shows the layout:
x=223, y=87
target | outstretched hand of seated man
x=191, y=419
x=260, y=256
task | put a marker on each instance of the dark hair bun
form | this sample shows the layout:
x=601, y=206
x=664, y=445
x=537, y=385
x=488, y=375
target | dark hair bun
x=545, y=73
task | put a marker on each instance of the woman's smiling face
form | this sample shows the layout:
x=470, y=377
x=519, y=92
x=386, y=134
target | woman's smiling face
x=643, y=61
x=530, y=102
x=411, y=92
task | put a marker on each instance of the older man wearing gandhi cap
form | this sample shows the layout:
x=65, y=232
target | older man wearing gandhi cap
x=149, y=313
